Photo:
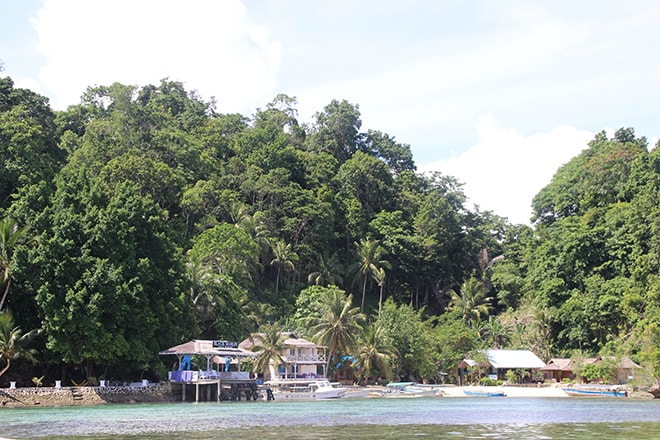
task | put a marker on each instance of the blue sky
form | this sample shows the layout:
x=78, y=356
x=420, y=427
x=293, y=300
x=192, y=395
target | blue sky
x=498, y=93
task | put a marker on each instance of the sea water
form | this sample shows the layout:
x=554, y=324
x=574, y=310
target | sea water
x=452, y=418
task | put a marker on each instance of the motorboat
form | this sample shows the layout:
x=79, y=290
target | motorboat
x=302, y=389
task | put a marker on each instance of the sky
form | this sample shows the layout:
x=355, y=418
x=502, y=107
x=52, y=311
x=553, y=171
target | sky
x=497, y=93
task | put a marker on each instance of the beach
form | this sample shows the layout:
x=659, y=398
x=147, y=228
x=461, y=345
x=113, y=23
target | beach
x=84, y=396
x=508, y=390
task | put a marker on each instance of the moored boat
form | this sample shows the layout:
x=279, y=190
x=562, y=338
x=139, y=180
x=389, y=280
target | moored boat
x=304, y=390
x=410, y=389
x=483, y=393
x=596, y=392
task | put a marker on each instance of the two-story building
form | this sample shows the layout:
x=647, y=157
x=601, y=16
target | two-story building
x=302, y=359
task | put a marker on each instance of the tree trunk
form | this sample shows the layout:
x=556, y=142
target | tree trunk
x=364, y=289
x=4, y=295
x=380, y=301
x=6, y=367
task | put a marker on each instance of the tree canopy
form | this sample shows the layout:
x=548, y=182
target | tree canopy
x=142, y=217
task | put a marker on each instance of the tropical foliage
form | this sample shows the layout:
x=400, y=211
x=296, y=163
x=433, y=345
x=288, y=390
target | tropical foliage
x=13, y=342
x=142, y=217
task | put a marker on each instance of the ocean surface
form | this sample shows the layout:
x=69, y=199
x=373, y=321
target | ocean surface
x=451, y=418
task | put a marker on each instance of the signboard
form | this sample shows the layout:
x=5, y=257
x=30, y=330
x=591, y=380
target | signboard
x=225, y=344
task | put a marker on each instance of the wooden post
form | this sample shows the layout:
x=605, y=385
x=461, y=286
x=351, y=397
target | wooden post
x=196, y=392
x=183, y=392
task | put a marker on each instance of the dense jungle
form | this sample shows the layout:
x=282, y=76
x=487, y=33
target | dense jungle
x=141, y=218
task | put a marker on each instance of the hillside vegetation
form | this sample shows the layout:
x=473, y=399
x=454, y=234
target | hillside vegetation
x=142, y=218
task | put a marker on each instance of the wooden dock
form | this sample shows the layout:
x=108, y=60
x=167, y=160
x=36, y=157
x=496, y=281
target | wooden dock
x=221, y=386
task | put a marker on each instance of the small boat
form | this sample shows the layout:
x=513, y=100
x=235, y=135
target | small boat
x=304, y=390
x=474, y=393
x=596, y=392
x=410, y=389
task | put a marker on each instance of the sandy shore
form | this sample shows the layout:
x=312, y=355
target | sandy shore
x=509, y=391
x=73, y=396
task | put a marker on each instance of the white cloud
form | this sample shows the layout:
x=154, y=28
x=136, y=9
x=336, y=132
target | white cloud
x=211, y=46
x=504, y=170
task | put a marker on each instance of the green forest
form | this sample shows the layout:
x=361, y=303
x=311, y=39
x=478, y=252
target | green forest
x=141, y=218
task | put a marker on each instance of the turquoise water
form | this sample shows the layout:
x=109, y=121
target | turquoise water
x=454, y=418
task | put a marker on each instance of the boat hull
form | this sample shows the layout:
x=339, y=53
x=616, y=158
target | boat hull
x=318, y=390
x=594, y=393
x=483, y=394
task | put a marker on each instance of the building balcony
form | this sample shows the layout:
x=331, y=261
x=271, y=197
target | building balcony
x=314, y=358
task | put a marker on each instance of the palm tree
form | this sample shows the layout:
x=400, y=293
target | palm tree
x=338, y=326
x=13, y=342
x=203, y=283
x=284, y=256
x=269, y=346
x=328, y=272
x=498, y=333
x=379, y=277
x=10, y=234
x=370, y=254
x=374, y=357
x=471, y=300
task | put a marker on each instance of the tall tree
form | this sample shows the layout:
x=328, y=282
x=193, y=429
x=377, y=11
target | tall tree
x=283, y=257
x=374, y=357
x=114, y=293
x=410, y=337
x=337, y=130
x=28, y=144
x=10, y=234
x=338, y=325
x=328, y=271
x=268, y=345
x=471, y=300
x=370, y=260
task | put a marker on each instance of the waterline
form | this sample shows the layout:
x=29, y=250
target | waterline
x=457, y=418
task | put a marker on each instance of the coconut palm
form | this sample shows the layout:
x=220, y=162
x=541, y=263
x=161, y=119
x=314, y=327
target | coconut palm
x=328, y=272
x=471, y=300
x=497, y=332
x=10, y=234
x=13, y=342
x=374, y=357
x=370, y=254
x=379, y=277
x=338, y=325
x=268, y=345
x=284, y=256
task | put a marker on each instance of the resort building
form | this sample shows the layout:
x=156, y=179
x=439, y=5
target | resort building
x=302, y=359
x=559, y=369
x=213, y=366
x=496, y=363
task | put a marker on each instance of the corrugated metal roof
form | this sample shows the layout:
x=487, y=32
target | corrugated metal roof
x=514, y=359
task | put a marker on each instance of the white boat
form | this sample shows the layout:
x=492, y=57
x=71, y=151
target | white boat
x=305, y=390
x=408, y=389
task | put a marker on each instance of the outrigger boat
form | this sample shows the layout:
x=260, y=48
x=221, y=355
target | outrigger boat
x=482, y=393
x=596, y=392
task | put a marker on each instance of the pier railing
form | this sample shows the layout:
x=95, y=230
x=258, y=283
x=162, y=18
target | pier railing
x=188, y=376
x=315, y=357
